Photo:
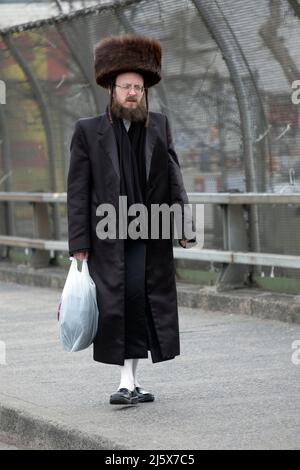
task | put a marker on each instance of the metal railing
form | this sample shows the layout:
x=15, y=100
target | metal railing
x=236, y=256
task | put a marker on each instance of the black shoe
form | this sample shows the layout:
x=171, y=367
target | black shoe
x=124, y=397
x=143, y=395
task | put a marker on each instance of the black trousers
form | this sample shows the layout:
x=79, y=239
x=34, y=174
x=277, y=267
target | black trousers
x=140, y=334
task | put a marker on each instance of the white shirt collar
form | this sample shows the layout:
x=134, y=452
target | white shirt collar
x=126, y=123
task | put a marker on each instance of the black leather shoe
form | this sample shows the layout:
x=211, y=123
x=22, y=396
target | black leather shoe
x=124, y=397
x=143, y=395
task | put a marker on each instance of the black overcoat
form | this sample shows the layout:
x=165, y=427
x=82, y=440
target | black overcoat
x=93, y=179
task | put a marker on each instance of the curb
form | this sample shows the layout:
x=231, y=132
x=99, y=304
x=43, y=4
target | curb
x=253, y=302
x=45, y=277
x=33, y=432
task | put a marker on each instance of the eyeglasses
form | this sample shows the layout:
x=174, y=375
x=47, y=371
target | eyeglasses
x=128, y=87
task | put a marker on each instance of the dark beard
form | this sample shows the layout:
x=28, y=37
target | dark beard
x=137, y=114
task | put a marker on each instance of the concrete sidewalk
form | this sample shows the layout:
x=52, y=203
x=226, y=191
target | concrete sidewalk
x=8, y=443
x=234, y=386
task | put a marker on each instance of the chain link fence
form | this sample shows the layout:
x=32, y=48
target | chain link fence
x=228, y=70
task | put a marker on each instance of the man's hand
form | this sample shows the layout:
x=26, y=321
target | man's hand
x=81, y=255
x=183, y=243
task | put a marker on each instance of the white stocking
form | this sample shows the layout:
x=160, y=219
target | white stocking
x=127, y=380
x=135, y=363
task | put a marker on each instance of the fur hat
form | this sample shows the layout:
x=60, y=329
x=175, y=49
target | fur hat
x=127, y=53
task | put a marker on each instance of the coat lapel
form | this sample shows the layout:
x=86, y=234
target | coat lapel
x=108, y=142
x=151, y=136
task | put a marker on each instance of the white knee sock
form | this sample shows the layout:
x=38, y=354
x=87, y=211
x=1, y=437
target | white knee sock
x=127, y=380
x=135, y=363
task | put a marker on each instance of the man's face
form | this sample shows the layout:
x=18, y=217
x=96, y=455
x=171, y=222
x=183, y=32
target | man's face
x=129, y=103
x=128, y=98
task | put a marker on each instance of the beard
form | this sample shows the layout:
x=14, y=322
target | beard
x=135, y=114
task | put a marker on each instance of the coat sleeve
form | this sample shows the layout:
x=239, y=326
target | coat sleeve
x=78, y=193
x=177, y=190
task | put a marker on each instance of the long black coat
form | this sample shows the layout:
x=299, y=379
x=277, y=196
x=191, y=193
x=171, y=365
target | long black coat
x=93, y=179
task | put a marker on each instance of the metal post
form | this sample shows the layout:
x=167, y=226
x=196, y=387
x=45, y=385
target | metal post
x=221, y=119
x=235, y=238
x=40, y=258
x=7, y=225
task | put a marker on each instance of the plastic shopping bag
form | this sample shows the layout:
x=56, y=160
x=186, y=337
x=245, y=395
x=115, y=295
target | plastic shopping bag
x=78, y=310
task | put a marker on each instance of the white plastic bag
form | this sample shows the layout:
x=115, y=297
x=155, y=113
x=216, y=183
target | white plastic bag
x=78, y=310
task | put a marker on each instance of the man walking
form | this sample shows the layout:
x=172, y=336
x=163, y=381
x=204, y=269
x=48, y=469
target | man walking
x=127, y=152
